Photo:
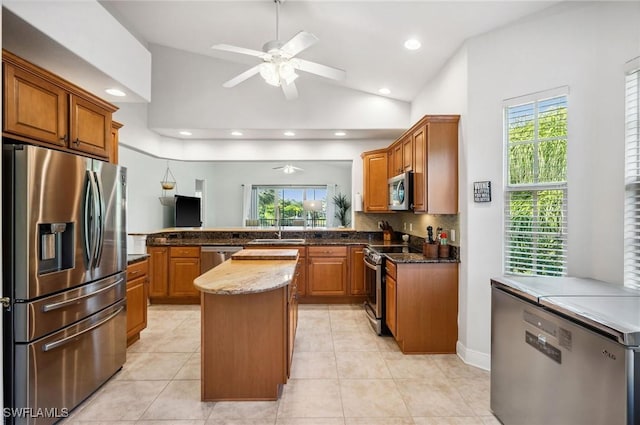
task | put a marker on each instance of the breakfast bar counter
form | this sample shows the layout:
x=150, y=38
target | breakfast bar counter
x=247, y=307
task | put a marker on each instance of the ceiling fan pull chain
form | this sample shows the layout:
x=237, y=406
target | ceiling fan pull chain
x=277, y=19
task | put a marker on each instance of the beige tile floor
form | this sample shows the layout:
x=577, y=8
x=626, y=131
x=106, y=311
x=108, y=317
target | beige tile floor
x=342, y=374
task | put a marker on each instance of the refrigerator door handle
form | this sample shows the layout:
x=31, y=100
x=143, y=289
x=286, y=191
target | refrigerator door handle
x=52, y=345
x=88, y=220
x=100, y=221
x=55, y=306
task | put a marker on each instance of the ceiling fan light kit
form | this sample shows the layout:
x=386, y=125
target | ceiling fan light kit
x=279, y=66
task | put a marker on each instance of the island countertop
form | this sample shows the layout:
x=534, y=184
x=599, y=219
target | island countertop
x=246, y=276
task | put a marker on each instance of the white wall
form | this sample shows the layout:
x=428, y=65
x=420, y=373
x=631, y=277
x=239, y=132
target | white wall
x=583, y=46
x=224, y=185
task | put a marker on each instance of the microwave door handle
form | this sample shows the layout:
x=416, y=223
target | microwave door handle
x=100, y=220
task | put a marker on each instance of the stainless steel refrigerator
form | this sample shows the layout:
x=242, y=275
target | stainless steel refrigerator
x=64, y=251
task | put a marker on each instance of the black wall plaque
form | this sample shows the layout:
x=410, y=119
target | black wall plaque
x=482, y=191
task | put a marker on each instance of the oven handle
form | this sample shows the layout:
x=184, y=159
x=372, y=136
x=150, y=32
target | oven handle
x=50, y=346
x=55, y=306
x=375, y=267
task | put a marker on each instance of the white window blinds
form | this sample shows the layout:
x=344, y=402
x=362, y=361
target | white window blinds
x=632, y=178
x=536, y=184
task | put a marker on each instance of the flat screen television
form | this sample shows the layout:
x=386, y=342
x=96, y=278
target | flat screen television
x=187, y=211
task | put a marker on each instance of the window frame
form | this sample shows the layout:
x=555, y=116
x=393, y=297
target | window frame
x=535, y=188
x=631, y=261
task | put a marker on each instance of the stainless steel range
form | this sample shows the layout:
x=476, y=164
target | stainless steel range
x=564, y=351
x=374, y=259
x=64, y=242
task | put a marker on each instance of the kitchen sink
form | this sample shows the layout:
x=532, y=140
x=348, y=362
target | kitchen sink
x=276, y=241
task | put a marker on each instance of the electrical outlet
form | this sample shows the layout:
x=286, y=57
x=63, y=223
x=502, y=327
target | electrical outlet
x=410, y=227
x=453, y=235
x=404, y=226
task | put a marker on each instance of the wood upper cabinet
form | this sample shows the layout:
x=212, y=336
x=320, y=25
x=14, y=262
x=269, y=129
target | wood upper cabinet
x=327, y=270
x=34, y=108
x=398, y=160
x=90, y=128
x=356, y=271
x=42, y=108
x=407, y=154
x=115, y=141
x=436, y=170
x=375, y=181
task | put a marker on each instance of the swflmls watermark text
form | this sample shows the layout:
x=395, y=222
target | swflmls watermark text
x=30, y=412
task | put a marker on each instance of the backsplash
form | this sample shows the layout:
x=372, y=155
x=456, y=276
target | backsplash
x=369, y=222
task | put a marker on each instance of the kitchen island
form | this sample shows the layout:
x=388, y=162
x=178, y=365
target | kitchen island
x=249, y=315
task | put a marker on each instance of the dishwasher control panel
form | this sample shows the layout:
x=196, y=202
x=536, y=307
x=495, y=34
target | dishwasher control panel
x=540, y=343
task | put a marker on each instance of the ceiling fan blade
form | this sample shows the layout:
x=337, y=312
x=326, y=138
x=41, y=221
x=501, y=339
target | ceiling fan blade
x=290, y=90
x=241, y=50
x=299, y=42
x=318, y=69
x=244, y=76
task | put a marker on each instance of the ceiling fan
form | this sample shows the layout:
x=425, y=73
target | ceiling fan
x=279, y=64
x=288, y=169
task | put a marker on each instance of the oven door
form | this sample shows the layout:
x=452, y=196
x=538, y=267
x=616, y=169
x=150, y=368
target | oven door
x=375, y=301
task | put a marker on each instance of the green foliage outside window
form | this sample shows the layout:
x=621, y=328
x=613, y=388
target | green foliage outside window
x=536, y=188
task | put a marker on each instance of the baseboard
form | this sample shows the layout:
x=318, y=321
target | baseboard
x=473, y=358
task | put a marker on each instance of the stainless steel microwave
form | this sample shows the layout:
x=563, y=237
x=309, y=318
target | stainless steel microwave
x=400, y=190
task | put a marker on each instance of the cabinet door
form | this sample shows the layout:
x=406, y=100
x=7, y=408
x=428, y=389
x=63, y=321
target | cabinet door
x=90, y=128
x=34, y=107
x=327, y=276
x=301, y=270
x=419, y=163
x=390, y=301
x=391, y=171
x=136, y=306
x=182, y=272
x=398, y=160
x=357, y=286
x=115, y=129
x=375, y=182
x=158, y=271
x=407, y=153
x=442, y=168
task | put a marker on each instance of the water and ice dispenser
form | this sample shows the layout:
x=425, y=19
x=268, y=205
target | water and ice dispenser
x=56, y=250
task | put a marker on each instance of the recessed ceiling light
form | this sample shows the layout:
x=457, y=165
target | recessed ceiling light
x=339, y=133
x=116, y=92
x=236, y=133
x=186, y=133
x=412, y=44
x=384, y=90
x=289, y=133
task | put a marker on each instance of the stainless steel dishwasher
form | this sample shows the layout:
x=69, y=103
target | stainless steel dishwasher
x=212, y=256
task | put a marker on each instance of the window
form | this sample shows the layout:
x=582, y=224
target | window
x=283, y=205
x=536, y=184
x=632, y=177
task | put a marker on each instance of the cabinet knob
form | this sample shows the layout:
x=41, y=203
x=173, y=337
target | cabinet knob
x=64, y=138
x=76, y=142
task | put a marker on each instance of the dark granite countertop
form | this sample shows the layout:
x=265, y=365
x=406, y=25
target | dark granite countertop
x=136, y=258
x=402, y=258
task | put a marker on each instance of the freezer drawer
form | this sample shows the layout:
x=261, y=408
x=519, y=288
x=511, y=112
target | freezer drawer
x=36, y=319
x=548, y=370
x=61, y=370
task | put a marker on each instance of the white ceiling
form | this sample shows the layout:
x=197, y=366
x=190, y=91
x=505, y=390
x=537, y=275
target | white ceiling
x=365, y=38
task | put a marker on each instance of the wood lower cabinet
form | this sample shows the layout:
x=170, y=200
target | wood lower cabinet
x=390, y=304
x=173, y=270
x=327, y=271
x=423, y=317
x=42, y=108
x=375, y=195
x=137, y=297
x=292, y=314
x=356, y=271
